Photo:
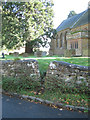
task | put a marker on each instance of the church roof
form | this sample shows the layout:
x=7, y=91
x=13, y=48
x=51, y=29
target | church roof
x=74, y=21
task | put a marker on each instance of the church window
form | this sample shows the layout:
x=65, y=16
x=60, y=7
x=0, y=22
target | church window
x=65, y=40
x=71, y=45
x=77, y=45
x=61, y=40
x=57, y=42
x=74, y=45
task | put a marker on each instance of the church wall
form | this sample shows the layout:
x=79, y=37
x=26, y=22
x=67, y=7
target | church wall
x=73, y=36
x=59, y=52
x=75, y=44
x=85, y=47
x=80, y=28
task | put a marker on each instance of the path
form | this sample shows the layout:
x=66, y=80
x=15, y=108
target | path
x=13, y=107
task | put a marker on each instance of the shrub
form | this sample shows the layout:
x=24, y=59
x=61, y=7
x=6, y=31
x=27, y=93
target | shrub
x=18, y=84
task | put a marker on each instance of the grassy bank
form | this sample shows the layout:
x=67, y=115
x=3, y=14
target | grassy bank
x=56, y=96
x=60, y=95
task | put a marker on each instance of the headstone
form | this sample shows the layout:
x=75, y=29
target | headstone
x=44, y=53
x=15, y=54
x=25, y=54
x=40, y=53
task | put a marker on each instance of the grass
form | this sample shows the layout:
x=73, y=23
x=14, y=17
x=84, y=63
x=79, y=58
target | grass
x=43, y=63
x=11, y=57
x=65, y=98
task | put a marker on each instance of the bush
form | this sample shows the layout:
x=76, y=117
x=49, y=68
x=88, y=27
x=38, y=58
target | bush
x=8, y=83
x=18, y=84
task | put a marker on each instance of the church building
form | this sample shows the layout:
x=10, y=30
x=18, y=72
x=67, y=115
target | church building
x=72, y=38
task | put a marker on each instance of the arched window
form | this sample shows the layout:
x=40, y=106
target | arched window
x=77, y=45
x=65, y=40
x=57, y=41
x=71, y=46
x=61, y=40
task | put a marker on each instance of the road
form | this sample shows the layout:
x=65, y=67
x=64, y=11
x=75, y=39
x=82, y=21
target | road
x=13, y=107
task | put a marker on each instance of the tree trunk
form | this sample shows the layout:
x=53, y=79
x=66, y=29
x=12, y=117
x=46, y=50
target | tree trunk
x=28, y=48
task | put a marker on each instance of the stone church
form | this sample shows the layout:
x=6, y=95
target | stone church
x=72, y=38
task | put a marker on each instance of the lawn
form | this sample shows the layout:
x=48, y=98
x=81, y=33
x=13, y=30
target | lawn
x=45, y=61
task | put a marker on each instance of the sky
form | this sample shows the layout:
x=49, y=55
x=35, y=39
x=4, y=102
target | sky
x=63, y=7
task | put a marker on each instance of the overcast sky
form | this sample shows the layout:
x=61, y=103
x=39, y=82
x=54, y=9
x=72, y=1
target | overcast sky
x=63, y=7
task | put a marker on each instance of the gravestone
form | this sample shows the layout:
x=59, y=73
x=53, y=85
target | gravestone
x=25, y=54
x=16, y=54
x=40, y=53
x=44, y=53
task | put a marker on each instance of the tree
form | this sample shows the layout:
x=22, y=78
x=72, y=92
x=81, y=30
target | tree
x=12, y=25
x=24, y=23
x=72, y=13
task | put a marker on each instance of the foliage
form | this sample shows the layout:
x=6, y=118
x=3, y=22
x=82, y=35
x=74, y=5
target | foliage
x=25, y=87
x=57, y=96
x=26, y=22
x=18, y=84
x=12, y=24
x=78, y=31
x=72, y=13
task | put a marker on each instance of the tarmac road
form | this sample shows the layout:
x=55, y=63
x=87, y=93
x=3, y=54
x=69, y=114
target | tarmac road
x=13, y=107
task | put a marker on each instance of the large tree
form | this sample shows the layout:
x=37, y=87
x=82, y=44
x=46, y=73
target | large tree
x=72, y=13
x=26, y=23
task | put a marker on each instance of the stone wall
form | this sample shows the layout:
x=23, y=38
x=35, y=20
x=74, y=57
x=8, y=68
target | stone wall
x=62, y=74
x=59, y=74
x=20, y=68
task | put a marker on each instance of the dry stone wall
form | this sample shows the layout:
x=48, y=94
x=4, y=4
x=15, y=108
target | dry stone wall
x=20, y=68
x=62, y=74
x=59, y=74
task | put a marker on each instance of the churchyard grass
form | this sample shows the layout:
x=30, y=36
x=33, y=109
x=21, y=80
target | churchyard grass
x=45, y=61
